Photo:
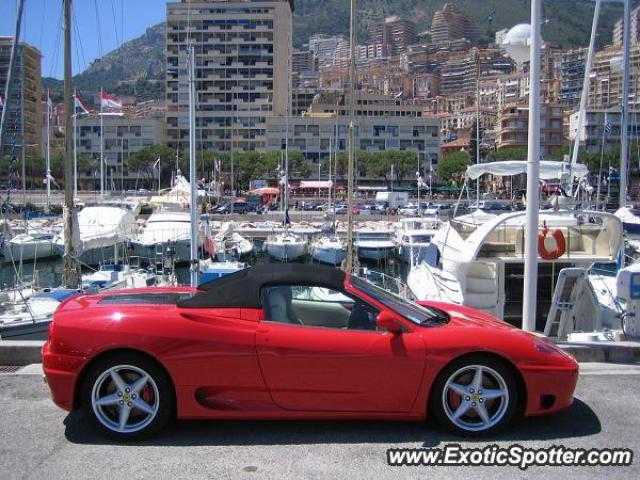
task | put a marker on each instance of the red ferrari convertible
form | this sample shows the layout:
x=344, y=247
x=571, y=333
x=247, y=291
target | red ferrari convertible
x=295, y=342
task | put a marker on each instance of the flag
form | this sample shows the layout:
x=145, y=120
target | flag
x=157, y=164
x=607, y=125
x=108, y=101
x=80, y=106
x=1, y=101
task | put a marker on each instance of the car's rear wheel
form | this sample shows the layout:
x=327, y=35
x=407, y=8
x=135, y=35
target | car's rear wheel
x=475, y=396
x=127, y=397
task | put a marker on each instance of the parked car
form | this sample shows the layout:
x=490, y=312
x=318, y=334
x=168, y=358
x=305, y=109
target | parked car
x=295, y=341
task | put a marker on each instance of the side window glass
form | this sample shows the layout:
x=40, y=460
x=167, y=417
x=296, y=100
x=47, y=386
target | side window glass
x=312, y=306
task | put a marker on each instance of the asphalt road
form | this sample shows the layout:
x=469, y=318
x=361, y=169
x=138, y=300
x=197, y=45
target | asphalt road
x=40, y=441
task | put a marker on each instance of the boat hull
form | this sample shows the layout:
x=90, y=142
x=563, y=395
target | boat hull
x=29, y=251
x=25, y=330
x=328, y=255
x=285, y=252
x=374, y=252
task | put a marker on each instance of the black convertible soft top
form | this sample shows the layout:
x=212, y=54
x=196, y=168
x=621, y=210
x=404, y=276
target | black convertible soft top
x=242, y=289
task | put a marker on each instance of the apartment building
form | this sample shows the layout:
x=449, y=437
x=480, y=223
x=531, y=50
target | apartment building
x=393, y=35
x=123, y=136
x=571, y=65
x=329, y=50
x=593, y=137
x=25, y=98
x=243, y=56
x=316, y=136
x=512, y=129
x=460, y=75
x=605, y=88
x=366, y=105
x=635, y=31
x=451, y=24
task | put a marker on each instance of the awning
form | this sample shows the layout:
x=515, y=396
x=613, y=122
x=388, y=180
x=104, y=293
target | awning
x=548, y=170
x=316, y=184
x=265, y=191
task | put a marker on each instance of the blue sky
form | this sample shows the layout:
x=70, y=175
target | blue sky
x=41, y=24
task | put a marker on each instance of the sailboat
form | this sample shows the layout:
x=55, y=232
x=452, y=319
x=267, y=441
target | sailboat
x=285, y=246
x=329, y=248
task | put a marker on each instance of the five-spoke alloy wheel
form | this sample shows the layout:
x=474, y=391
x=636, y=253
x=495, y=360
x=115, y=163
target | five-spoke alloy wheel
x=127, y=397
x=474, y=396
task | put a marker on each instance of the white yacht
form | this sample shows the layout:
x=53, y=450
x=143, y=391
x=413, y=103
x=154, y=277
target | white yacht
x=414, y=236
x=229, y=244
x=31, y=246
x=165, y=228
x=285, y=246
x=101, y=230
x=331, y=250
x=375, y=245
x=482, y=265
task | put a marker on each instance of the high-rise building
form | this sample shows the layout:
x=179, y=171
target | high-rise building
x=329, y=50
x=512, y=130
x=25, y=97
x=123, y=136
x=394, y=35
x=605, y=80
x=635, y=31
x=243, y=56
x=451, y=24
x=459, y=75
x=571, y=70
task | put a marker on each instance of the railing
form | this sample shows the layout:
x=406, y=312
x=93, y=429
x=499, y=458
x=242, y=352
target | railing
x=384, y=281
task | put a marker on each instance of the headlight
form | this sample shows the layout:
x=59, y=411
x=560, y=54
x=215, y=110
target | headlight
x=547, y=347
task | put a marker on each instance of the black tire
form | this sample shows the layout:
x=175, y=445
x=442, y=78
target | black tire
x=500, y=410
x=159, y=391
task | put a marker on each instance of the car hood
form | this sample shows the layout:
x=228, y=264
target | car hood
x=460, y=316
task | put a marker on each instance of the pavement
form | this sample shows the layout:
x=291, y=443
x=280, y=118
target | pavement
x=41, y=441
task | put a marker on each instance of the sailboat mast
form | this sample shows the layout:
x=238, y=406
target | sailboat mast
x=101, y=148
x=533, y=174
x=350, y=261
x=70, y=266
x=624, y=135
x=48, y=166
x=192, y=168
x=585, y=90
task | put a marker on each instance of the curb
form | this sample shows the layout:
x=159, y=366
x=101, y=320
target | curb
x=607, y=353
x=20, y=352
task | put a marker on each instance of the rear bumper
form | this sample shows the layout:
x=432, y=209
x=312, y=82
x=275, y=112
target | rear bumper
x=60, y=372
x=549, y=389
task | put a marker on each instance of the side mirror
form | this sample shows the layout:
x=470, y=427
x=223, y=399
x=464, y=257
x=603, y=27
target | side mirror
x=386, y=323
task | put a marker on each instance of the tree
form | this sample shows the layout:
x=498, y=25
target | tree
x=472, y=142
x=144, y=160
x=509, y=153
x=453, y=166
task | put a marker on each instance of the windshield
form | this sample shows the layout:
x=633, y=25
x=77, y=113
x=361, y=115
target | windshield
x=411, y=311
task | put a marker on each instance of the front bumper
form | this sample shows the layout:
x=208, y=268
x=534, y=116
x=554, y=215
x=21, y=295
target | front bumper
x=549, y=389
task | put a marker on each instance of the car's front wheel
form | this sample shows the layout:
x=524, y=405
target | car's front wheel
x=127, y=397
x=475, y=396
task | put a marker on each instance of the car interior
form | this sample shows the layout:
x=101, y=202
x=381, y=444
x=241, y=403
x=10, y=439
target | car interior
x=317, y=307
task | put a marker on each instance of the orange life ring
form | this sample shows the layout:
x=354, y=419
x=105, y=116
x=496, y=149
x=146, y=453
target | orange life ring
x=561, y=245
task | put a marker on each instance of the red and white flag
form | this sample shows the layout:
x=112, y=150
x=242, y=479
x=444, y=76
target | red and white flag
x=108, y=101
x=80, y=106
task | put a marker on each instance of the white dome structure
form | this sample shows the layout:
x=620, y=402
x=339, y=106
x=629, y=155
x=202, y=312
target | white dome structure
x=517, y=41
